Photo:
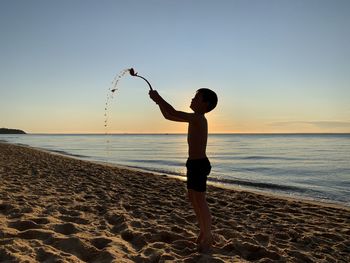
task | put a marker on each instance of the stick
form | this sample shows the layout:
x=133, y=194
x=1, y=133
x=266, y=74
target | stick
x=134, y=74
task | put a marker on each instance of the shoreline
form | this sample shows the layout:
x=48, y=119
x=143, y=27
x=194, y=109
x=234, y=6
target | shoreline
x=325, y=203
x=54, y=207
x=225, y=186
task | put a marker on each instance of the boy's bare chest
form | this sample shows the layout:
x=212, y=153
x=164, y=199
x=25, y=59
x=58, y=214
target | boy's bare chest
x=197, y=133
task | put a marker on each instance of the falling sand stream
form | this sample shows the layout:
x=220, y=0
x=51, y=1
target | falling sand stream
x=112, y=91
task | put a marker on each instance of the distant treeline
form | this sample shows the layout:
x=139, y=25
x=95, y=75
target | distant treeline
x=11, y=131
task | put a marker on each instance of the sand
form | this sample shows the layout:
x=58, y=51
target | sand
x=59, y=209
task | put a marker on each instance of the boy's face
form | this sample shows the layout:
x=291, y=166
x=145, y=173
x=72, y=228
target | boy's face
x=197, y=104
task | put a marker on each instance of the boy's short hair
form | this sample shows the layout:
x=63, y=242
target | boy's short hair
x=209, y=97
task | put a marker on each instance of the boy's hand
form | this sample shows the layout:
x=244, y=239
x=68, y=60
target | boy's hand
x=154, y=96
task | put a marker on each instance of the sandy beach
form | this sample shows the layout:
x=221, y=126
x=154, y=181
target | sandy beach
x=59, y=209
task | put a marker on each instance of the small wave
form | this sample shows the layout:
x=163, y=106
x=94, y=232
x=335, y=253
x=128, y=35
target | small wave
x=260, y=185
x=257, y=157
x=67, y=153
x=158, y=162
x=156, y=170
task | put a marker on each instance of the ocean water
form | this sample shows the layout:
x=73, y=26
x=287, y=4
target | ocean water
x=307, y=166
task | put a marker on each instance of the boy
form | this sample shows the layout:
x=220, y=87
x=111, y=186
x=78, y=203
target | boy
x=198, y=165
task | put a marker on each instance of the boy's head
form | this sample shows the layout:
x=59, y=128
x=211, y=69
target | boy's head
x=204, y=101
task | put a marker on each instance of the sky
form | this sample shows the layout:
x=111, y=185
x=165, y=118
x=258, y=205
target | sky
x=277, y=66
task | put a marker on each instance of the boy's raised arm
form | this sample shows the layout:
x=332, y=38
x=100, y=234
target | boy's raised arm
x=168, y=111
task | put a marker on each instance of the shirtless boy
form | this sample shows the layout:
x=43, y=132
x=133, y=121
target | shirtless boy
x=198, y=165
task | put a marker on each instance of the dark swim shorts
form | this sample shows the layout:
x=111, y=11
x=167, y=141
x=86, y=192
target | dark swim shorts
x=197, y=173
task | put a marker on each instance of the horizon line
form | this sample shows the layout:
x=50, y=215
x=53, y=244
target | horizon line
x=182, y=133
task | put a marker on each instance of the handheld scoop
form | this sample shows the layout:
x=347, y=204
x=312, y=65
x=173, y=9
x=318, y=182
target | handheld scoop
x=134, y=74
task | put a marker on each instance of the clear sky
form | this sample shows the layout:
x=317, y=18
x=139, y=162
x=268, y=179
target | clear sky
x=276, y=65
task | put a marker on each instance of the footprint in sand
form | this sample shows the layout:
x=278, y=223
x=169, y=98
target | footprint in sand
x=152, y=254
x=47, y=256
x=119, y=222
x=262, y=239
x=69, y=212
x=115, y=218
x=184, y=247
x=75, y=246
x=84, y=251
x=6, y=208
x=76, y=220
x=40, y=234
x=135, y=238
x=26, y=209
x=166, y=236
x=253, y=252
x=100, y=242
x=24, y=225
x=66, y=228
x=40, y=220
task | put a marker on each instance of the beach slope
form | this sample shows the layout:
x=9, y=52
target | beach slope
x=59, y=209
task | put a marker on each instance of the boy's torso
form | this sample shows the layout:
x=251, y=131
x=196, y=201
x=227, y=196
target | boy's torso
x=197, y=138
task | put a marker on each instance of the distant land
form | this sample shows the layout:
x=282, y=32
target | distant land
x=11, y=131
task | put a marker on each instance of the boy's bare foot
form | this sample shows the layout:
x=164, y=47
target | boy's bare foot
x=206, y=245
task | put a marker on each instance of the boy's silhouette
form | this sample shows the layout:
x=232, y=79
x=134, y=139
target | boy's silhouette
x=198, y=165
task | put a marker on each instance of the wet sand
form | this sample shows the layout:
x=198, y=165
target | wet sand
x=59, y=209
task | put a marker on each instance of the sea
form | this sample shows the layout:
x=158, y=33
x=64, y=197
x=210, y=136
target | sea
x=304, y=166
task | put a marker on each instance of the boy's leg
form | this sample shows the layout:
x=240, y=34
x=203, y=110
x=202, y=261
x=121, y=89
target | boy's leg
x=195, y=205
x=205, y=218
